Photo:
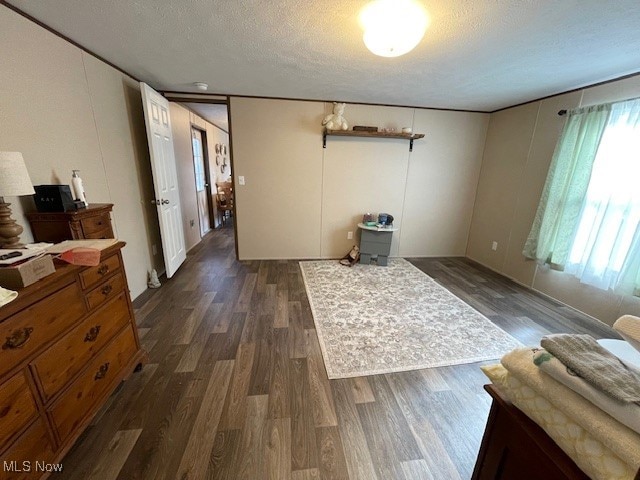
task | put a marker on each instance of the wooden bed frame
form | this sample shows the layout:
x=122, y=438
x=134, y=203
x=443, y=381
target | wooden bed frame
x=515, y=447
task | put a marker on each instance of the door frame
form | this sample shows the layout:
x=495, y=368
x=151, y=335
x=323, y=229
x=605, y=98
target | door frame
x=207, y=177
x=181, y=97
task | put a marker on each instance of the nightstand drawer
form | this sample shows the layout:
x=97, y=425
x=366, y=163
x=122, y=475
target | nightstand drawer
x=78, y=401
x=17, y=407
x=95, y=224
x=25, y=332
x=373, y=248
x=93, y=275
x=109, y=289
x=60, y=363
x=100, y=234
x=376, y=237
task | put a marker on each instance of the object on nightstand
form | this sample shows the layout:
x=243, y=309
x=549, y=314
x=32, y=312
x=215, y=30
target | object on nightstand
x=54, y=198
x=78, y=188
x=369, y=219
x=385, y=220
x=14, y=182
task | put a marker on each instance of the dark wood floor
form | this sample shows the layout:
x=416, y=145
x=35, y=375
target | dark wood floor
x=236, y=386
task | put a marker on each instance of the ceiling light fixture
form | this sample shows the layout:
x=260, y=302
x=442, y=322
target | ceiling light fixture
x=393, y=27
x=201, y=86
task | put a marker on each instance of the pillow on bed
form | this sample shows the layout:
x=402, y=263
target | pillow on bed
x=628, y=327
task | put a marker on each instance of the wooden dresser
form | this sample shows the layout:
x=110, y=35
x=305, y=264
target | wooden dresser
x=91, y=222
x=67, y=341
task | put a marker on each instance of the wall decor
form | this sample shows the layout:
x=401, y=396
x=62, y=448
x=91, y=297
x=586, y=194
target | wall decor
x=225, y=149
x=217, y=148
x=218, y=160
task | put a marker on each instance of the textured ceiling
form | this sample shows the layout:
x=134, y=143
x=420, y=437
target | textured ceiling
x=212, y=113
x=477, y=55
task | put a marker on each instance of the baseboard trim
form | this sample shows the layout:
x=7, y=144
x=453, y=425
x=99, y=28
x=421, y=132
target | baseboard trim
x=543, y=294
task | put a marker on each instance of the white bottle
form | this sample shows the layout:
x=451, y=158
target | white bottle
x=78, y=189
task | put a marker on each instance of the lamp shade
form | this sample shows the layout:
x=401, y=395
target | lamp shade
x=14, y=177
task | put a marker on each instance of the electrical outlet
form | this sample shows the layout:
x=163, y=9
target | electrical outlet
x=192, y=223
x=241, y=179
x=494, y=246
x=154, y=249
x=349, y=235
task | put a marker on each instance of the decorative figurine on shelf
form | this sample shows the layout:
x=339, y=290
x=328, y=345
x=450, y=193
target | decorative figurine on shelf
x=336, y=121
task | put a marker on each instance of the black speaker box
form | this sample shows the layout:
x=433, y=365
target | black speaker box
x=54, y=198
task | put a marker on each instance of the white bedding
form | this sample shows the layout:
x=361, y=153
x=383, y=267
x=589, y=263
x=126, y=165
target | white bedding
x=602, y=447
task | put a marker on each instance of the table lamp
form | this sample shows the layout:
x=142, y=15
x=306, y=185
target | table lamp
x=14, y=182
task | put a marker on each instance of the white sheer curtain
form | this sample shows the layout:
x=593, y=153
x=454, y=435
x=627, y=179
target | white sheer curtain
x=606, y=237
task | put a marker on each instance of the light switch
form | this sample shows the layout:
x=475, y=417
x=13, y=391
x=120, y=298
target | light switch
x=241, y=179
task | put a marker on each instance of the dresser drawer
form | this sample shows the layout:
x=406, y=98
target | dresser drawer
x=78, y=401
x=17, y=407
x=100, y=234
x=95, y=223
x=93, y=275
x=65, y=358
x=26, y=331
x=109, y=289
x=19, y=462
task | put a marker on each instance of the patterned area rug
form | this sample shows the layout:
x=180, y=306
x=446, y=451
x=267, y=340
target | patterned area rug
x=373, y=320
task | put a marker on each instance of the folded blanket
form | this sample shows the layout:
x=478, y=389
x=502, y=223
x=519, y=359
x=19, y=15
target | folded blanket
x=617, y=437
x=626, y=413
x=7, y=296
x=628, y=327
x=598, y=367
x=594, y=458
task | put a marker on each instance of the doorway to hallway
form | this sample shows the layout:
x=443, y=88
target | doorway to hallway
x=202, y=173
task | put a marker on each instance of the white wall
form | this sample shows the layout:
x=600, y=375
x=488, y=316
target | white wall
x=182, y=120
x=518, y=151
x=216, y=135
x=181, y=130
x=278, y=149
x=64, y=109
x=301, y=200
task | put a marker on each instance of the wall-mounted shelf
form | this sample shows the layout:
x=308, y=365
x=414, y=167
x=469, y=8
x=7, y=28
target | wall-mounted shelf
x=350, y=133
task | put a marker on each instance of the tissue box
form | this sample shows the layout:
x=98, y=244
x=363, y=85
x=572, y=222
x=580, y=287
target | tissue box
x=26, y=273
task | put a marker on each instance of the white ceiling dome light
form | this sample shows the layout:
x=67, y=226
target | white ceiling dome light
x=201, y=86
x=393, y=27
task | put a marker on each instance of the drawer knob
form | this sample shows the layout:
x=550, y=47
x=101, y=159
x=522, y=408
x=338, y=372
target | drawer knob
x=106, y=290
x=102, y=371
x=17, y=339
x=104, y=268
x=92, y=334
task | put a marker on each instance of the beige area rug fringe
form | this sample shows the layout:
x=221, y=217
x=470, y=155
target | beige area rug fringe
x=372, y=320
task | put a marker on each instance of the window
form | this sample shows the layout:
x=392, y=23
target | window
x=588, y=220
x=610, y=215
